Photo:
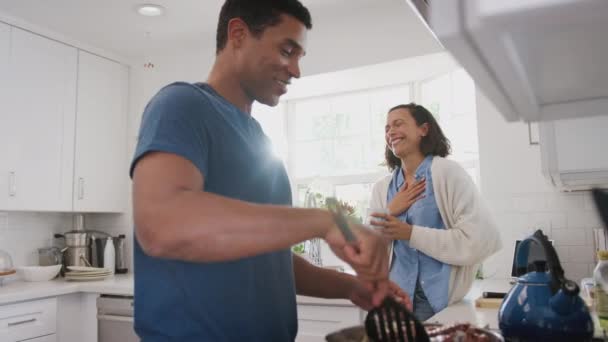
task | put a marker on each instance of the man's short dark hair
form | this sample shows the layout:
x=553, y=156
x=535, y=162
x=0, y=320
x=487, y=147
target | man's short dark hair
x=258, y=15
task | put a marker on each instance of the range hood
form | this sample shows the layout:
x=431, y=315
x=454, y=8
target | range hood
x=536, y=60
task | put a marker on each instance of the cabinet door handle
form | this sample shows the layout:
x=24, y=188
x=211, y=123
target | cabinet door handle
x=531, y=140
x=80, y=188
x=25, y=321
x=12, y=184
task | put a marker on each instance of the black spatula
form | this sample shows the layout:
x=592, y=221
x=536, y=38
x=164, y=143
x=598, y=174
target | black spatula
x=393, y=322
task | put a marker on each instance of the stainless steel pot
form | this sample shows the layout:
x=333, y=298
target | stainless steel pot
x=78, y=237
x=75, y=238
x=77, y=248
x=77, y=256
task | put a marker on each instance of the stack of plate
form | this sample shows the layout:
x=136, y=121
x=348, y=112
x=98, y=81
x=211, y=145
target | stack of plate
x=81, y=273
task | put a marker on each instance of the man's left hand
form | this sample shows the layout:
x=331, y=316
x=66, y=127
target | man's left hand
x=400, y=296
x=362, y=293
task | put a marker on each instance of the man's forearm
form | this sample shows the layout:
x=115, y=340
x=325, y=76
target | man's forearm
x=320, y=282
x=200, y=226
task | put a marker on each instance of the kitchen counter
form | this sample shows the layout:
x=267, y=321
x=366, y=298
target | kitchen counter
x=465, y=310
x=119, y=284
x=17, y=290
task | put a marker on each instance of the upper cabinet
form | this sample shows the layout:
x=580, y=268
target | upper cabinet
x=100, y=172
x=38, y=123
x=573, y=152
x=64, y=127
x=6, y=178
x=535, y=60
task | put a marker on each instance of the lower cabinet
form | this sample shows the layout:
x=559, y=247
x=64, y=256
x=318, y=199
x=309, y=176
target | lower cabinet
x=34, y=320
x=47, y=338
x=317, y=321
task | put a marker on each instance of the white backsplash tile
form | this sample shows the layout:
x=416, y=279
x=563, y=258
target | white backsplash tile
x=22, y=233
x=576, y=271
x=568, y=237
x=539, y=221
x=530, y=203
x=582, y=254
x=567, y=218
x=565, y=202
x=583, y=219
x=512, y=221
x=563, y=252
x=25, y=232
x=559, y=220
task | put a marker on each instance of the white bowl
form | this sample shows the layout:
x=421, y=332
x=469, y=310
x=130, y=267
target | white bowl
x=38, y=273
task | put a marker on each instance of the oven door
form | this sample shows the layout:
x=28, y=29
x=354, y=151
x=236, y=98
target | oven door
x=115, y=319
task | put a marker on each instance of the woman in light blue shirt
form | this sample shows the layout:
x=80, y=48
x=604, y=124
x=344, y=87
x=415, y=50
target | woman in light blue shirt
x=432, y=261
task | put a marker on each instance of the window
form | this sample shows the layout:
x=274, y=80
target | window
x=334, y=144
x=451, y=99
x=272, y=120
x=339, y=140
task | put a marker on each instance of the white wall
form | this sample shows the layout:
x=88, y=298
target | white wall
x=522, y=200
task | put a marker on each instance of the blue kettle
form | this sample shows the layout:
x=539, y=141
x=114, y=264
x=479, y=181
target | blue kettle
x=543, y=306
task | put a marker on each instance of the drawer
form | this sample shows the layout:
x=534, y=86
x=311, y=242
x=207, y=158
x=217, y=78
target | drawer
x=27, y=320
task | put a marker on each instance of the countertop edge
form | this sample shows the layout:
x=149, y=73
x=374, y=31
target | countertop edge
x=19, y=291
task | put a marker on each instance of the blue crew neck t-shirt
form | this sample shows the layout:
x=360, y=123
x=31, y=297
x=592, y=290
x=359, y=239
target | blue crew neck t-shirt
x=251, y=299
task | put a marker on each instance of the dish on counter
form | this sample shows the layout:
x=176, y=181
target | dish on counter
x=38, y=273
x=87, y=269
x=463, y=332
x=81, y=273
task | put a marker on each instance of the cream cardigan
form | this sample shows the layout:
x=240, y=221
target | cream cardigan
x=470, y=235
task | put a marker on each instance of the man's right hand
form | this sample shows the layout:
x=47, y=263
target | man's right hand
x=368, y=256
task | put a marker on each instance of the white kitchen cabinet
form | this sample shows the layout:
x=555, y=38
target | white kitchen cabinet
x=5, y=164
x=100, y=159
x=573, y=152
x=29, y=321
x=37, y=121
x=535, y=60
x=316, y=321
x=63, y=137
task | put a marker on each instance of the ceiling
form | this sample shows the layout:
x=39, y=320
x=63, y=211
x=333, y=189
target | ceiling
x=113, y=25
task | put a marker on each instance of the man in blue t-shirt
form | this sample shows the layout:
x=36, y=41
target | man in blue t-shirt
x=212, y=207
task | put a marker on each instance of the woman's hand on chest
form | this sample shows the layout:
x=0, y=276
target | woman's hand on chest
x=406, y=197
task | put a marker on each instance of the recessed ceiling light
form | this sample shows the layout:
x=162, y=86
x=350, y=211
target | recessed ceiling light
x=150, y=10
